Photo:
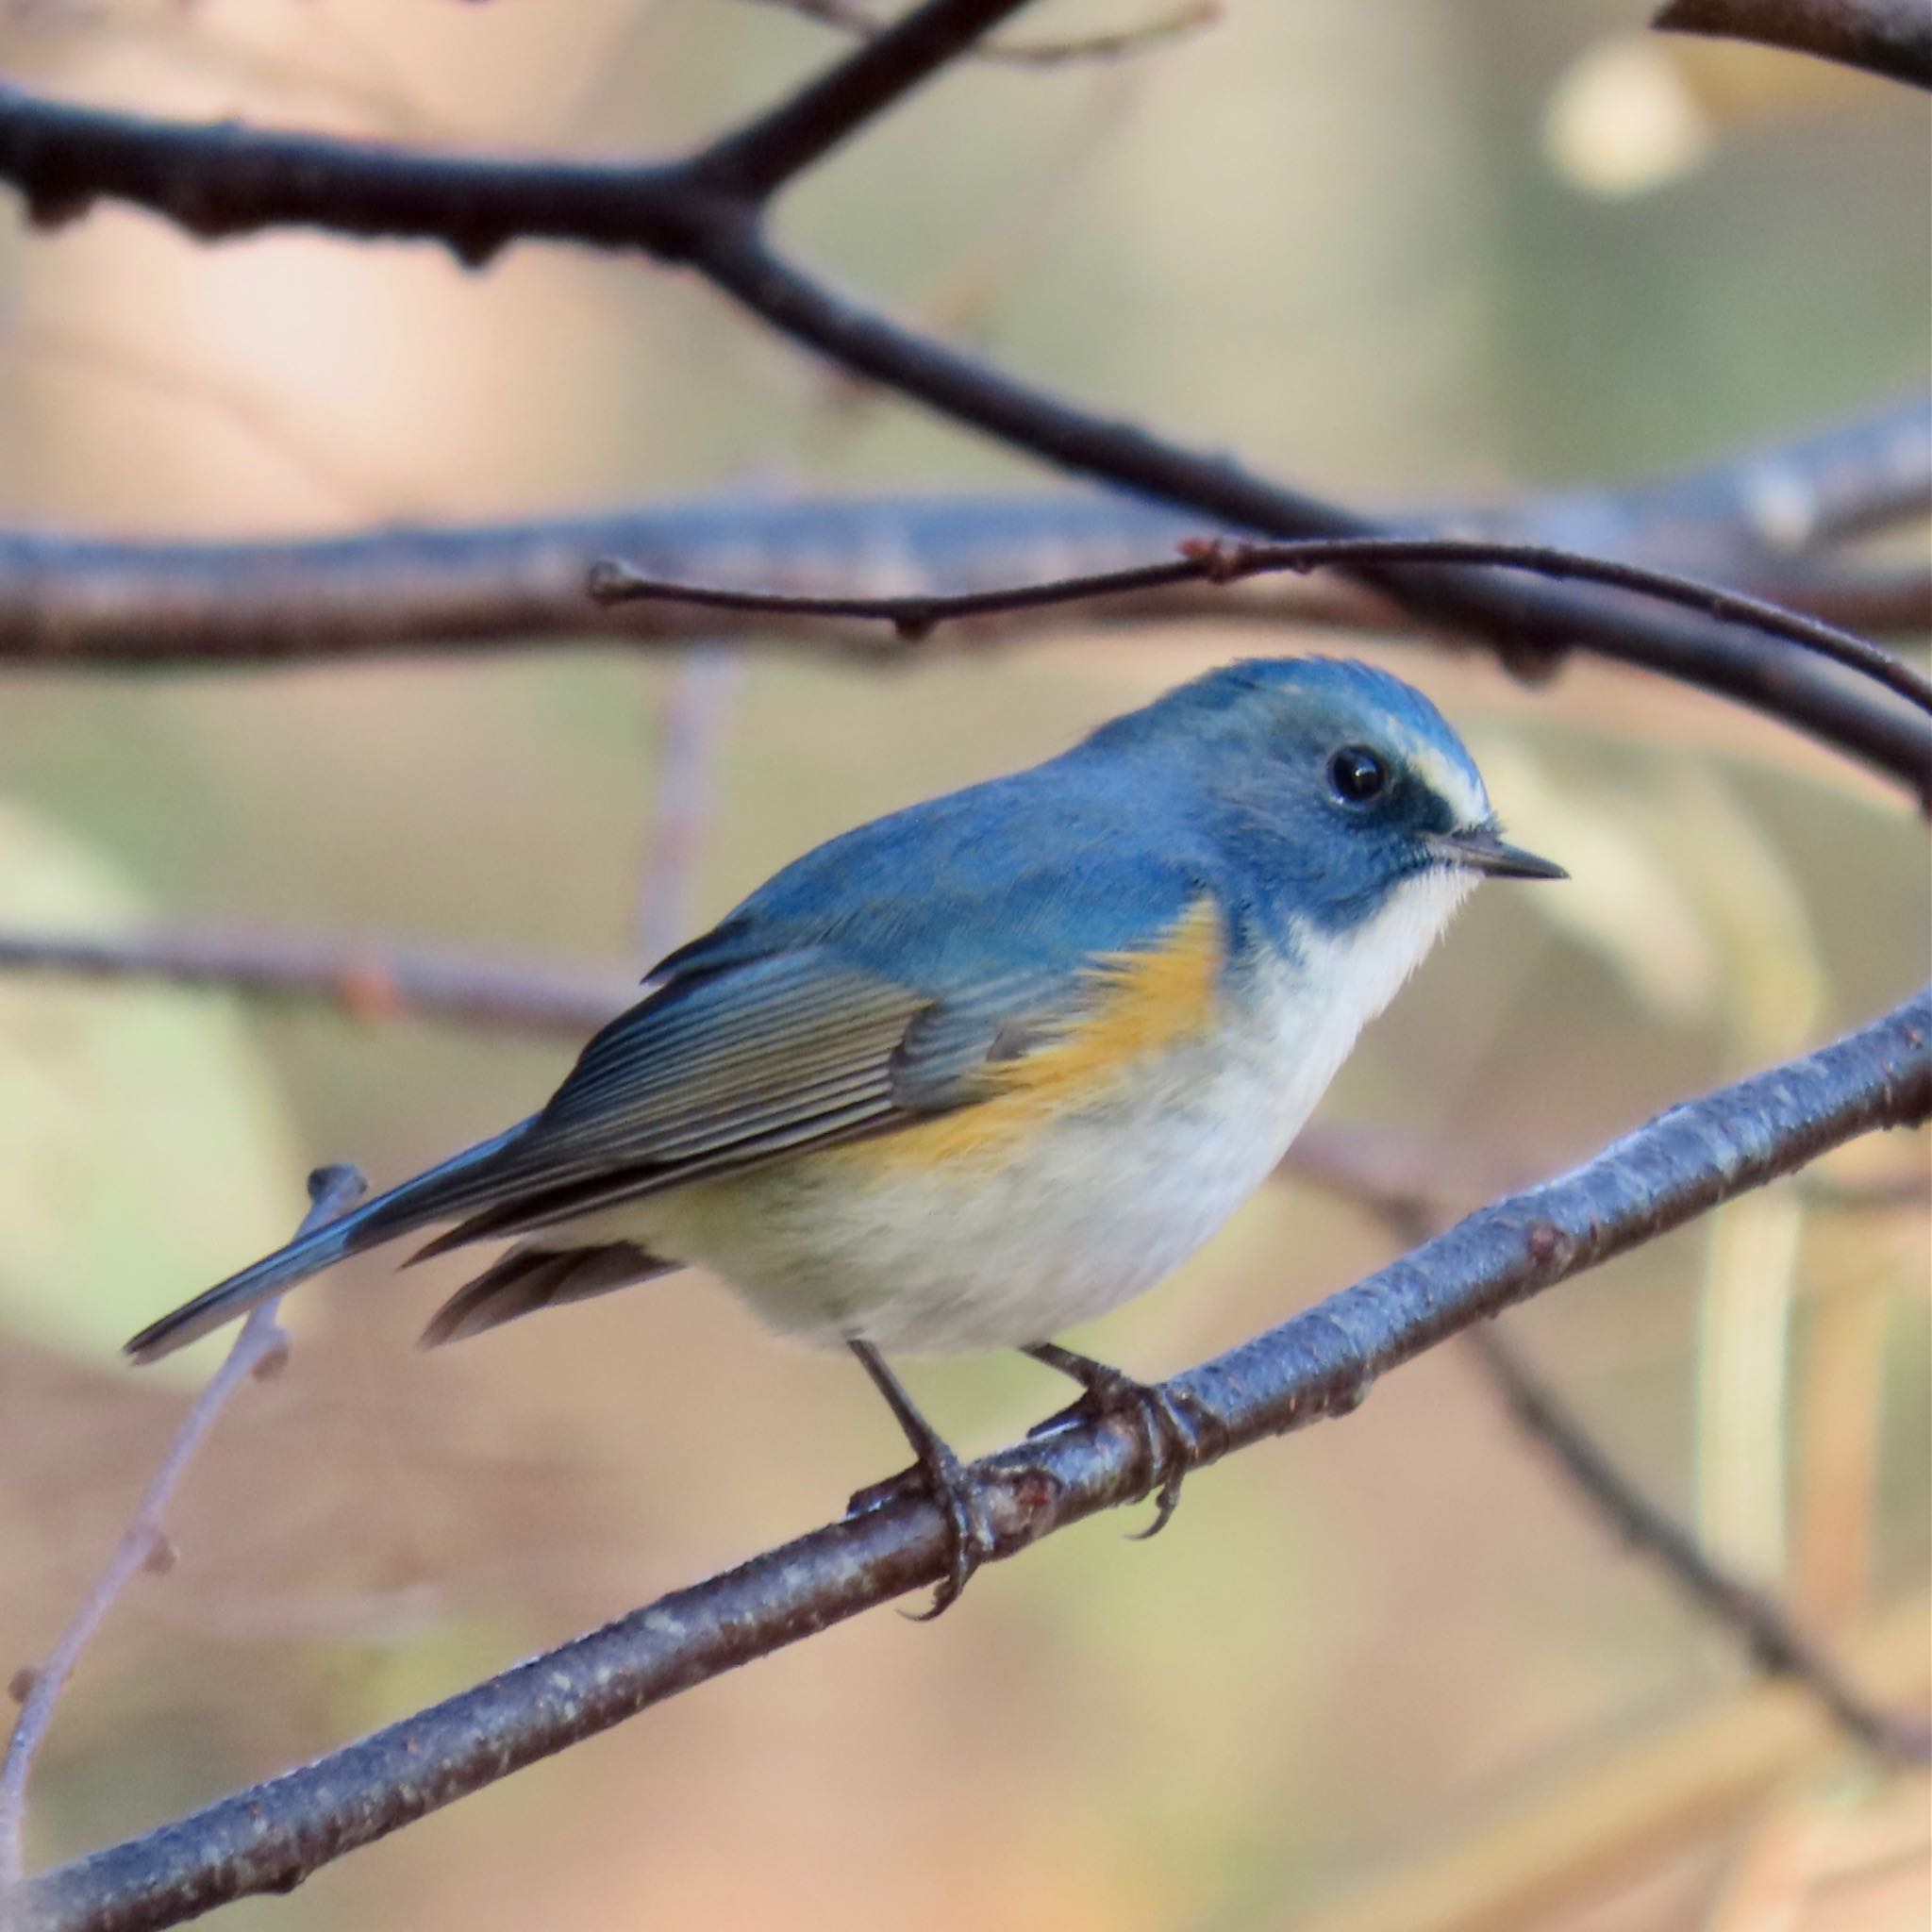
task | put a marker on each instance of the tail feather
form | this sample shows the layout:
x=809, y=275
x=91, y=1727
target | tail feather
x=530, y=1277
x=451, y=1187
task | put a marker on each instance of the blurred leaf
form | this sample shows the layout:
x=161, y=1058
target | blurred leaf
x=143, y=1149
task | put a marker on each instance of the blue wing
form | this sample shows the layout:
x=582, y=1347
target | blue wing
x=863, y=988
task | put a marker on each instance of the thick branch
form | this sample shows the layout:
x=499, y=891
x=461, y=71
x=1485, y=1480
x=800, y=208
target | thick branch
x=1530, y=623
x=231, y=180
x=81, y=602
x=1889, y=38
x=1319, y=1363
x=220, y=178
x=755, y=162
x=1405, y=1197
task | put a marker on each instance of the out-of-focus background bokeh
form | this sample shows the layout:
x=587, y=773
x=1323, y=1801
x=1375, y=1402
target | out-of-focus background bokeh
x=1419, y=251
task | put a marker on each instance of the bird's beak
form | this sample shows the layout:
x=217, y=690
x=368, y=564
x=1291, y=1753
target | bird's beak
x=1482, y=850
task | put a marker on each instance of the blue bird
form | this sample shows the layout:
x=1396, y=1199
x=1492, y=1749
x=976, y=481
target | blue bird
x=990, y=1066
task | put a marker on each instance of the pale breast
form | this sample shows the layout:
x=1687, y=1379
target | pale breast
x=1093, y=1207
x=1098, y=1204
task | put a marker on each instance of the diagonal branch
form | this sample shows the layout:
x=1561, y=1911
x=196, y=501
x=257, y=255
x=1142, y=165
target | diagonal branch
x=1318, y=1364
x=1402, y=1196
x=228, y=179
x=1529, y=624
x=144, y=1544
x=753, y=164
x=1777, y=1645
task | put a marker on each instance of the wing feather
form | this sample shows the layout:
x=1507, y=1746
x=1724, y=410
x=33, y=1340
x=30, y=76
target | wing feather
x=760, y=1058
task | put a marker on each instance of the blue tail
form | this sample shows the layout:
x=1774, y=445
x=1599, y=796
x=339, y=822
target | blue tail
x=455, y=1186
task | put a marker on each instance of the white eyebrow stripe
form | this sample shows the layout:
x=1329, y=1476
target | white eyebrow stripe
x=1451, y=782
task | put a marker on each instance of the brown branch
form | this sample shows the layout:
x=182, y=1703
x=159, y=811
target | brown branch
x=705, y=213
x=144, y=1545
x=1319, y=1363
x=1889, y=38
x=1216, y=563
x=364, y=983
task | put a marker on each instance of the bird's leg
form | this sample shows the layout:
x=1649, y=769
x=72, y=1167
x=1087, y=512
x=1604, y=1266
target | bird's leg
x=940, y=1473
x=1171, y=1433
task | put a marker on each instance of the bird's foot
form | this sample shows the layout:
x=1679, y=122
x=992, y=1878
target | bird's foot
x=942, y=1479
x=1171, y=1433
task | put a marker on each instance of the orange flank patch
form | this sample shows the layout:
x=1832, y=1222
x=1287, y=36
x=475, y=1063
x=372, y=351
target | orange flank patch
x=1144, y=1003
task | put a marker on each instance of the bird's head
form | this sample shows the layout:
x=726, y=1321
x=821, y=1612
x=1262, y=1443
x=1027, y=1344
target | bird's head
x=1339, y=789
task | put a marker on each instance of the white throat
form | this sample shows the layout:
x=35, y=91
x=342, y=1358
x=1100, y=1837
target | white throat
x=1349, y=977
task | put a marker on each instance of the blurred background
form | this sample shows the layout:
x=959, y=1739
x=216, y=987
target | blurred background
x=1372, y=1678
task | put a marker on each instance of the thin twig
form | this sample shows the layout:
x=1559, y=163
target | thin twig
x=1776, y=1644
x=1214, y=561
x=1888, y=38
x=364, y=983
x=1319, y=1364
x=705, y=213
x=144, y=1544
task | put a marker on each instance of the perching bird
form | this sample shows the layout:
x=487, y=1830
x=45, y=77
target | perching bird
x=991, y=1065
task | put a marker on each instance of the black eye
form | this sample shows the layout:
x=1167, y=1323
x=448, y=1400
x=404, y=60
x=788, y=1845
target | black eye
x=1357, y=774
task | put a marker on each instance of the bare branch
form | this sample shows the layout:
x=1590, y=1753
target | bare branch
x=1528, y=623
x=1776, y=1643
x=361, y=982
x=1215, y=562
x=144, y=1544
x=1780, y=499
x=1319, y=1363
x=81, y=602
x=1889, y=38
x=228, y=179
x=753, y=164
x=1405, y=1197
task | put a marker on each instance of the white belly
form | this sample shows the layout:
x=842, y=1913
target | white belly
x=1094, y=1209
